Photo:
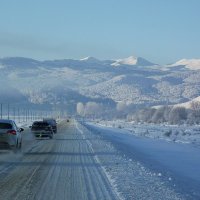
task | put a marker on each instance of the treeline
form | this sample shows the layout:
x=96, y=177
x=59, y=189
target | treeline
x=168, y=114
x=94, y=110
x=163, y=114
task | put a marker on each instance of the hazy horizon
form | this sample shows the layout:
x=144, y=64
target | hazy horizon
x=160, y=31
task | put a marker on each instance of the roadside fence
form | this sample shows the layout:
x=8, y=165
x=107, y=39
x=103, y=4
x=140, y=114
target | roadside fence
x=8, y=111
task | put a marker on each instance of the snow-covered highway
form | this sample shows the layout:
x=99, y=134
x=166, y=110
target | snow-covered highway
x=85, y=161
x=62, y=168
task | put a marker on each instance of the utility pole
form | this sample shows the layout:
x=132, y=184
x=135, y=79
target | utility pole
x=31, y=115
x=1, y=111
x=18, y=115
x=8, y=111
x=14, y=113
x=26, y=115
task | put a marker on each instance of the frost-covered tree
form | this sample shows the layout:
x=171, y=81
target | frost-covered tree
x=177, y=115
x=194, y=113
x=121, y=106
x=124, y=108
x=161, y=114
x=149, y=114
x=80, y=108
x=158, y=116
x=143, y=115
x=93, y=109
x=195, y=106
x=166, y=111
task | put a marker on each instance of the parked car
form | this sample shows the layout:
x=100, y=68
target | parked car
x=42, y=129
x=10, y=135
x=52, y=122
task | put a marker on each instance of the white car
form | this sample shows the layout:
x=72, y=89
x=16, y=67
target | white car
x=10, y=135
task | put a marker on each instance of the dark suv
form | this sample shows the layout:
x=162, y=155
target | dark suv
x=52, y=122
x=42, y=129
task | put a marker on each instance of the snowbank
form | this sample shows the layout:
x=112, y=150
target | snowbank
x=175, y=133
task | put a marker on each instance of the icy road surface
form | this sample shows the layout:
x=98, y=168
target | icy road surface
x=84, y=161
x=63, y=168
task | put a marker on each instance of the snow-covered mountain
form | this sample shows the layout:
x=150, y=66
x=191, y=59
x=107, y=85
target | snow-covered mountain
x=132, y=60
x=192, y=64
x=66, y=82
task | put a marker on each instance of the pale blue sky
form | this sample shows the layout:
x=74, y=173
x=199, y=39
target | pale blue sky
x=161, y=31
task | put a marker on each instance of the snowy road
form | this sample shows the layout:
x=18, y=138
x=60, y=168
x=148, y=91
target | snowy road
x=63, y=168
x=85, y=161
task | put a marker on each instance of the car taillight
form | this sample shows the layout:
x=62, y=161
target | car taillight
x=13, y=132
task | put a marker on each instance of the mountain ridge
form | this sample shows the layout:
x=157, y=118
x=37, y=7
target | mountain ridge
x=98, y=81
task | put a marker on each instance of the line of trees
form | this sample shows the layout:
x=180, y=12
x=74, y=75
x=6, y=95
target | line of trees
x=168, y=114
x=94, y=110
x=90, y=109
x=163, y=114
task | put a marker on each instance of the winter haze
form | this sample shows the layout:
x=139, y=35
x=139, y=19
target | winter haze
x=132, y=80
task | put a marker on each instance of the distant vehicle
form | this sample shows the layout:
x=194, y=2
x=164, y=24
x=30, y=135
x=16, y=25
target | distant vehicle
x=52, y=122
x=42, y=129
x=67, y=120
x=10, y=135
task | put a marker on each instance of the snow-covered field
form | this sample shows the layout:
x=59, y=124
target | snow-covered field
x=146, y=168
x=175, y=133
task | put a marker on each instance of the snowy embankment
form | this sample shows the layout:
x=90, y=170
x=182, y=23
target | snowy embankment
x=24, y=124
x=146, y=168
x=175, y=133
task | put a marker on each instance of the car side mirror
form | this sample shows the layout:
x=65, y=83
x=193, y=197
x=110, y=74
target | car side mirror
x=21, y=130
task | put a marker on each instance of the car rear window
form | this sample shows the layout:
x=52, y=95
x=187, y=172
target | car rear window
x=50, y=121
x=40, y=124
x=5, y=126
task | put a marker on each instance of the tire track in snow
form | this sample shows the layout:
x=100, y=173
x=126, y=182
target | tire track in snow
x=63, y=168
x=98, y=161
